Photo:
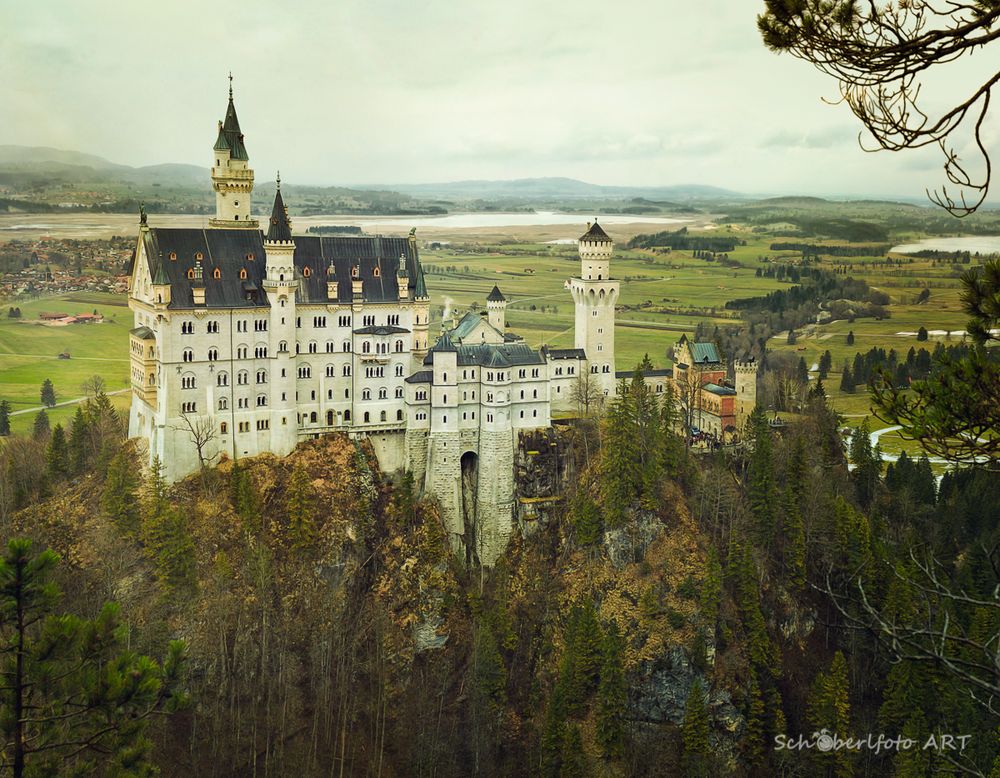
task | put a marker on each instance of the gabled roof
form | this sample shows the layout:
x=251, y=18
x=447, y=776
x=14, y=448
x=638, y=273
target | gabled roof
x=596, y=232
x=280, y=228
x=142, y=333
x=468, y=324
x=444, y=344
x=496, y=296
x=420, y=377
x=703, y=353
x=491, y=354
x=230, y=136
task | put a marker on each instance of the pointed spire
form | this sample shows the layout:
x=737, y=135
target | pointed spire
x=230, y=135
x=280, y=228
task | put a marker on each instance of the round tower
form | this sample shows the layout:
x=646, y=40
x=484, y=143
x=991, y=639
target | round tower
x=496, y=308
x=595, y=294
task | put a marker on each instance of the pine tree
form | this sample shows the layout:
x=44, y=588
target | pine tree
x=586, y=519
x=165, y=535
x=867, y=465
x=120, y=498
x=581, y=661
x=301, y=507
x=553, y=733
x=57, y=454
x=847, y=380
x=922, y=334
x=762, y=491
x=696, y=761
x=794, y=539
x=79, y=443
x=574, y=758
x=612, y=696
x=4, y=418
x=619, y=459
x=763, y=652
x=818, y=390
x=76, y=700
x=828, y=707
x=48, y=394
x=825, y=363
x=850, y=338
x=243, y=497
x=41, y=426
x=802, y=371
x=753, y=736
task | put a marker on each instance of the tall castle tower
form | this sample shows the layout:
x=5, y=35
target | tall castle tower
x=496, y=309
x=232, y=178
x=595, y=295
x=746, y=389
x=280, y=285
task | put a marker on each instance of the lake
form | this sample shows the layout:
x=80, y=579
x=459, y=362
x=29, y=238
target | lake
x=984, y=244
x=459, y=220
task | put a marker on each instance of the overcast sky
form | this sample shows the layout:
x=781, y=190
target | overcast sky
x=651, y=92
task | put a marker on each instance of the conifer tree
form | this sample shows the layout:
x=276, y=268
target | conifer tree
x=120, y=498
x=825, y=363
x=619, y=459
x=40, y=430
x=553, y=733
x=753, y=736
x=763, y=652
x=761, y=489
x=581, y=661
x=850, y=338
x=867, y=462
x=79, y=442
x=57, y=454
x=847, y=380
x=695, y=760
x=300, y=504
x=612, y=696
x=710, y=597
x=243, y=497
x=829, y=708
x=165, y=535
x=574, y=758
x=794, y=539
x=48, y=394
x=73, y=699
x=4, y=418
x=586, y=519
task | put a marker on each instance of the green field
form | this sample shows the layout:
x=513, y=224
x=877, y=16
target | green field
x=29, y=353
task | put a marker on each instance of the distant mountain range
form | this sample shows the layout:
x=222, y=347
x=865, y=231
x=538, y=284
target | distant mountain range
x=75, y=166
x=42, y=163
x=564, y=188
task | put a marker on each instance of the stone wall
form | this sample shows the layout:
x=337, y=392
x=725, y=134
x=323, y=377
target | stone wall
x=544, y=463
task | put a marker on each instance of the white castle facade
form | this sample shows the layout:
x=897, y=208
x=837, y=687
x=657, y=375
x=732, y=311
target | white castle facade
x=248, y=341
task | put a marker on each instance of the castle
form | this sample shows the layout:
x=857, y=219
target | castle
x=249, y=340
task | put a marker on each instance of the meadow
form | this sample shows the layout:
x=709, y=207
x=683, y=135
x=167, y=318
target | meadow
x=29, y=353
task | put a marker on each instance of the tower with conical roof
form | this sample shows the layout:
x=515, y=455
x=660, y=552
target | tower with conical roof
x=232, y=178
x=595, y=294
x=496, y=309
x=280, y=285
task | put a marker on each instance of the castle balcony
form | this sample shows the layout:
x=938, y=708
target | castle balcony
x=228, y=172
x=375, y=359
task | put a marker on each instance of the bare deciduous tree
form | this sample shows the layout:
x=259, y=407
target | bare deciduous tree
x=202, y=431
x=880, y=53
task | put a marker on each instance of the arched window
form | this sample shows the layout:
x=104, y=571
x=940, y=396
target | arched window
x=306, y=272
x=399, y=415
x=216, y=274
x=261, y=400
x=243, y=273
x=223, y=403
x=188, y=355
x=381, y=416
x=191, y=274
x=347, y=415
x=382, y=393
x=329, y=418
x=223, y=428
x=366, y=394
x=399, y=347
x=213, y=354
x=367, y=417
x=312, y=417
x=222, y=379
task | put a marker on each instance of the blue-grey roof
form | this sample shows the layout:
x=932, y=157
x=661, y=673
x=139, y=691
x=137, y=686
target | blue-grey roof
x=143, y=333
x=656, y=373
x=228, y=251
x=466, y=325
x=566, y=353
x=380, y=330
x=496, y=296
x=420, y=377
x=704, y=352
x=719, y=390
x=492, y=354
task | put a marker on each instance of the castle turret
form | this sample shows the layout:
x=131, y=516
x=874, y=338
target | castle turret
x=232, y=178
x=746, y=389
x=595, y=294
x=280, y=285
x=496, y=307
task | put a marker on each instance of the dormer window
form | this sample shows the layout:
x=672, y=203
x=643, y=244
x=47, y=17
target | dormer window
x=306, y=272
x=243, y=274
x=190, y=275
x=173, y=256
x=355, y=271
x=199, y=256
x=378, y=271
x=250, y=257
x=216, y=274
